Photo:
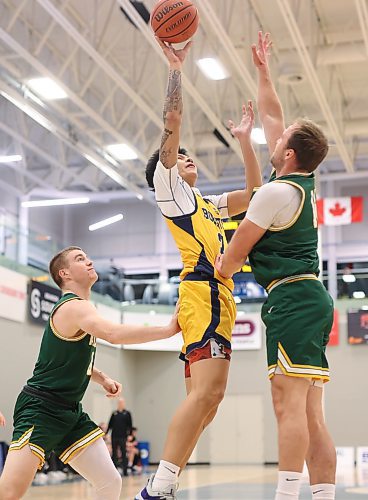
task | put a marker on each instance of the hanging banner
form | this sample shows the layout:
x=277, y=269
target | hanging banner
x=42, y=299
x=13, y=295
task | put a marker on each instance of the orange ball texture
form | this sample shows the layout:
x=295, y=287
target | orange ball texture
x=174, y=21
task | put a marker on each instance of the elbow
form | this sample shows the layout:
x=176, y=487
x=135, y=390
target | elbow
x=173, y=119
x=111, y=338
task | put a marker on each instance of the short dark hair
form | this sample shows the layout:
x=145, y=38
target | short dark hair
x=309, y=143
x=152, y=163
x=58, y=262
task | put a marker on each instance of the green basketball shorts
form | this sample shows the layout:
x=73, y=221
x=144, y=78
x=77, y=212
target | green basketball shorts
x=298, y=316
x=45, y=427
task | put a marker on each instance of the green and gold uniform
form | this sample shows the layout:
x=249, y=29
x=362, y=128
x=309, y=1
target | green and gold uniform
x=207, y=308
x=298, y=312
x=48, y=413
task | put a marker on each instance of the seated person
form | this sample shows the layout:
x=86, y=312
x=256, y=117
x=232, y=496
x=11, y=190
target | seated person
x=133, y=452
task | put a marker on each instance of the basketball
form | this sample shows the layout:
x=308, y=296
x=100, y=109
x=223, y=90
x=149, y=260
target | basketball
x=174, y=21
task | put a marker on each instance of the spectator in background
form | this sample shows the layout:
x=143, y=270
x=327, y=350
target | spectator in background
x=121, y=426
x=2, y=419
x=133, y=453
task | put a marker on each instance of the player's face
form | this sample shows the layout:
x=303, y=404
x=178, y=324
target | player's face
x=279, y=155
x=187, y=170
x=80, y=268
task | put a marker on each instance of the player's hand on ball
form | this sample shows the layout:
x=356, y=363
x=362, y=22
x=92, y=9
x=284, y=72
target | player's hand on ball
x=2, y=419
x=174, y=56
x=112, y=388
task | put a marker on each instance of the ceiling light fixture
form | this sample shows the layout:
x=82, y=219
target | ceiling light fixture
x=47, y=88
x=54, y=202
x=122, y=152
x=105, y=222
x=10, y=158
x=258, y=136
x=212, y=68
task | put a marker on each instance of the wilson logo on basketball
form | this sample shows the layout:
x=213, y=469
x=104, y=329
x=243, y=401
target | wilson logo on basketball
x=178, y=22
x=166, y=10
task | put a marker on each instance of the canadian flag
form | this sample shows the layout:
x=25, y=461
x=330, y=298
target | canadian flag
x=339, y=211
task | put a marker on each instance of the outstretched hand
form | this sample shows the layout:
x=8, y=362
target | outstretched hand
x=2, y=419
x=174, y=56
x=261, y=51
x=245, y=127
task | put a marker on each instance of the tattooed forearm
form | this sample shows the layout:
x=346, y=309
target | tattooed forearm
x=164, y=151
x=174, y=99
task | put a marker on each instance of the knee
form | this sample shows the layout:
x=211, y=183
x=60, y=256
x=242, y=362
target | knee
x=112, y=486
x=277, y=400
x=210, y=399
x=209, y=418
x=8, y=493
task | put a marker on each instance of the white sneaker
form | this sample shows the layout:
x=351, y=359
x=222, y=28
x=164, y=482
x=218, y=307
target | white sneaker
x=147, y=493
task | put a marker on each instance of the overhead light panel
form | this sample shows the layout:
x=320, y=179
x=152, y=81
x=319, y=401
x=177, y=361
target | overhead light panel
x=46, y=88
x=212, y=68
x=54, y=202
x=10, y=158
x=258, y=136
x=122, y=152
x=105, y=222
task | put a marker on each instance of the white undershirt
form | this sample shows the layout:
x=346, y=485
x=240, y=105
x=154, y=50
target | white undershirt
x=274, y=205
x=175, y=197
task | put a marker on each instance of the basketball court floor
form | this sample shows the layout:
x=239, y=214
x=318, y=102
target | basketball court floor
x=211, y=483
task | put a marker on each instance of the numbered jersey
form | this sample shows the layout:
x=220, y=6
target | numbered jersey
x=200, y=237
x=64, y=366
x=291, y=249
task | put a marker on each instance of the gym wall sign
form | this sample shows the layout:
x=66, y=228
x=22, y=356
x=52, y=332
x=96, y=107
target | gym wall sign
x=42, y=299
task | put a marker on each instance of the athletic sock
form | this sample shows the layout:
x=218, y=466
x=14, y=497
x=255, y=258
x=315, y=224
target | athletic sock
x=288, y=485
x=324, y=491
x=166, y=475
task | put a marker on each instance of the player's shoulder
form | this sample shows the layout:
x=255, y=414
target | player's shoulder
x=75, y=305
x=277, y=187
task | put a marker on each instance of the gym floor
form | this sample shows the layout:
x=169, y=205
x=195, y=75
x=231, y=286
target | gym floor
x=215, y=482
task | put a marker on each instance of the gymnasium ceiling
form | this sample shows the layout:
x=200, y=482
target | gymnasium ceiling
x=115, y=77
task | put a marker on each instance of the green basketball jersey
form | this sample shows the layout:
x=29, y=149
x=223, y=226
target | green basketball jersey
x=64, y=366
x=292, y=249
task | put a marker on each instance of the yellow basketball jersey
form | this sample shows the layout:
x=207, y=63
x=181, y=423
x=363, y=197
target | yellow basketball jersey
x=200, y=237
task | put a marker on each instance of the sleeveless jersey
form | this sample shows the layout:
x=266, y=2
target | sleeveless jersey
x=64, y=366
x=292, y=249
x=200, y=237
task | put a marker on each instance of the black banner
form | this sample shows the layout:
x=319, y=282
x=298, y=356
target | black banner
x=42, y=299
x=358, y=326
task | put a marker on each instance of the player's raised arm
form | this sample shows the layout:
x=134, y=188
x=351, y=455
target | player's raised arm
x=85, y=317
x=173, y=106
x=269, y=106
x=238, y=201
